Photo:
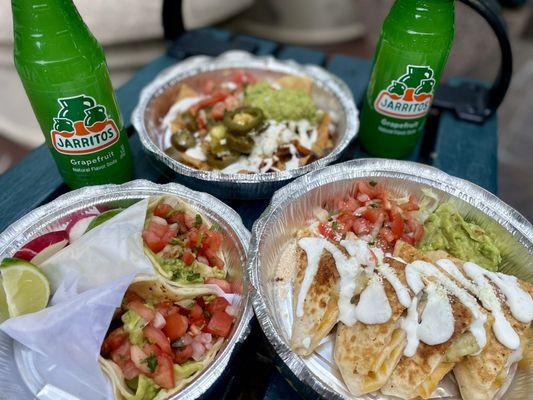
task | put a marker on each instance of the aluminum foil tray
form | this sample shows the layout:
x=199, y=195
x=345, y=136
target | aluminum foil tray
x=19, y=377
x=292, y=205
x=329, y=92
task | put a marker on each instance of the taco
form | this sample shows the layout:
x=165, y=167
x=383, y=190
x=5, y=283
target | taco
x=162, y=337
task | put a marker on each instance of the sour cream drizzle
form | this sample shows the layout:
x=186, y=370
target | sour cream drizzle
x=436, y=320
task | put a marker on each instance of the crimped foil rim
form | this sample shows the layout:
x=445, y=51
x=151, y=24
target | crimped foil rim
x=143, y=188
x=506, y=216
x=235, y=58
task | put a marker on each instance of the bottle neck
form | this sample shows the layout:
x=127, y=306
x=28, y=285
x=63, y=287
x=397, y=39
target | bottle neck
x=32, y=16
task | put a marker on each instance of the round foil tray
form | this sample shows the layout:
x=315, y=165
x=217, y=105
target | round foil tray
x=20, y=377
x=292, y=206
x=330, y=92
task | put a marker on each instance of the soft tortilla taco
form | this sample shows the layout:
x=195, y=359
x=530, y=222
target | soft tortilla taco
x=162, y=337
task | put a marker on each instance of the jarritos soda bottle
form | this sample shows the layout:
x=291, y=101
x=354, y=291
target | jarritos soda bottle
x=415, y=41
x=64, y=73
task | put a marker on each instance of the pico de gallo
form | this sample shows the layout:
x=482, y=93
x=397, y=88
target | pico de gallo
x=185, y=247
x=156, y=345
x=372, y=214
x=238, y=122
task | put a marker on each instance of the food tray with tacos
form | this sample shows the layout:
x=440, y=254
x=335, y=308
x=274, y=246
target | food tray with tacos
x=381, y=279
x=148, y=296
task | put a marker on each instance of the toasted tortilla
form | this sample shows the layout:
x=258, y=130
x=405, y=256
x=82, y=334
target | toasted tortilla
x=418, y=376
x=481, y=376
x=156, y=289
x=320, y=310
x=366, y=355
x=296, y=82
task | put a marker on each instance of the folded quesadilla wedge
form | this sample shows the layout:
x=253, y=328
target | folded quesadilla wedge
x=419, y=375
x=367, y=354
x=319, y=313
x=480, y=376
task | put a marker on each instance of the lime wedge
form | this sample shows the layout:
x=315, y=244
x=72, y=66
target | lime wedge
x=25, y=286
x=103, y=217
x=4, y=312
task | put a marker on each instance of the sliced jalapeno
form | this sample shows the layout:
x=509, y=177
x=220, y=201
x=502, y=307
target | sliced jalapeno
x=243, y=119
x=190, y=121
x=183, y=140
x=218, y=139
x=240, y=144
x=221, y=162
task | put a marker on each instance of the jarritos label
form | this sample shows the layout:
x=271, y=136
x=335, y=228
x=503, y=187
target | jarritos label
x=410, y=95
x=82, y=126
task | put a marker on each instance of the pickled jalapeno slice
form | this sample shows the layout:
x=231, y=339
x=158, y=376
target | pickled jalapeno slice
x=240, y=144
x=183, y=140
x=243, y=119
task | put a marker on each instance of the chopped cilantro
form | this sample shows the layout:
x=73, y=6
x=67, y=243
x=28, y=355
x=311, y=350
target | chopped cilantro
x=330, y=219
x=373, y=205
x=215, y=227
x=177, y=241
x=372, y=183
x=170, y=213
x=193, y=276
x=335, y=225
x=199, y=242
x=151, y=362
x=198, y=220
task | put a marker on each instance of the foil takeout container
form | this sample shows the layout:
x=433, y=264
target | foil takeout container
x=292, y=206
x=19, y=376
x=329, y=92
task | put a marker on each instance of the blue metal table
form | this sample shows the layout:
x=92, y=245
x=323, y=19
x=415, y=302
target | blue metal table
x=464, y=149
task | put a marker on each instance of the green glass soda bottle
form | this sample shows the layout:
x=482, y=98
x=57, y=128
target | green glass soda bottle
x=415, y=41
x=64, y=73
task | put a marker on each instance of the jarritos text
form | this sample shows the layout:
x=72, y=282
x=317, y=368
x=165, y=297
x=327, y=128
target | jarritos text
x=82, y=126
x=410, y=95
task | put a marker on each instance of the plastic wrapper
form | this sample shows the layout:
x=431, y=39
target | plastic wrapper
x=293, y=205
x=55, y=355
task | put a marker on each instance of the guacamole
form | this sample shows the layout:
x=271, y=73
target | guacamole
x=133, y=324
x=282, y=104
x=145, y=388
x=184, y=274
x=446, y=229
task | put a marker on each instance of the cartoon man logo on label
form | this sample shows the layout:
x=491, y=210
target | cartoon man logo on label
x=410, y=95
x=82, y=126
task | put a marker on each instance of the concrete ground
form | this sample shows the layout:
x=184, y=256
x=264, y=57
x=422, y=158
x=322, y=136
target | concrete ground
x=475, y=54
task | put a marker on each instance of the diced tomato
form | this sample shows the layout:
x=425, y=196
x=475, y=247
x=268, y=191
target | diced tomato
x=156, y=336
x=129, y=370
x=140, y=308
x=166, y=308
x=218, y=304
x=411, y=205
x=194, y=239
x=177, y=217
x=326, y=230
x=231, y=102
x=220, y=324
x=159, y=226
x=346, y=220
x=350, y=204
x=163, y=210
x=397, y=225
x=214, y=260
x=131, y=296
x=176, y=326
x=212, y=240
x=183, y=354
x=217, y=112
x=138, y=356
x=188, y=258
x=221, y=283
x=151, y=349
x=199, y=322
x=114, y=340
x=361, y=226
x=189, y=219
x=208, y=101
x=373, y=214
x=164, y=372
x=386, y=234
x=196, y=312
x=122, y=353
x=407, y=239
x=418, y=232
x=208, y=86
x=154, y=242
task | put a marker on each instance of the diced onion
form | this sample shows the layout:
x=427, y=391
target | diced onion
x=159, y=321
x=187, y=340
x=205, y=338
x=198, y=350
x=158, y=220
x=173, y=226
x=362, y=197
x=320, y=214
x=232, y=310
x=360, y=211
x=203, y=260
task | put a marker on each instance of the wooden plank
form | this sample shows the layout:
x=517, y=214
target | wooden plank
x=302, y=55
x=263, y=46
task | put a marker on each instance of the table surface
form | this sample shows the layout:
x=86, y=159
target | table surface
x=460, y=148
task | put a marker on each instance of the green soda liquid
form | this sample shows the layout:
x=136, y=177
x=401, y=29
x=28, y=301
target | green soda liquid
x=64, y=73
x=415, y=41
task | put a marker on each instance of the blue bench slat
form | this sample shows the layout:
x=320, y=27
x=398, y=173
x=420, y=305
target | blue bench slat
x=128, y=93
x=263, y=46
x=217, y=33
x=468, y=150
x=302, y=55
x=354, y=71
